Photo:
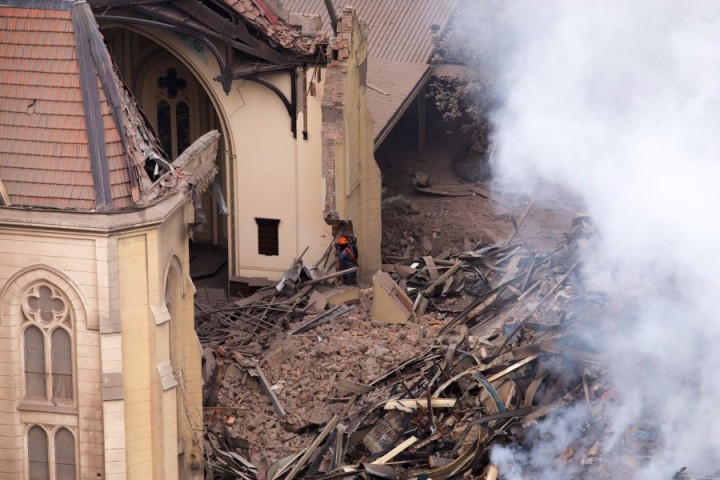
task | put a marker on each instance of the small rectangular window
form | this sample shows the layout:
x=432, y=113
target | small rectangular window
x=268, y=240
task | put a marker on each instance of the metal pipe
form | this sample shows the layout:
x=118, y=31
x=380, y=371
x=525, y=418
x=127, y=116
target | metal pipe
x=333, y=15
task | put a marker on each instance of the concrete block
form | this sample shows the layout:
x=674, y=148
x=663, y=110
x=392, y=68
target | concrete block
x=317, y=302
x=309, y=23
x=348, y=295
x=320, y=298
x=390, y=303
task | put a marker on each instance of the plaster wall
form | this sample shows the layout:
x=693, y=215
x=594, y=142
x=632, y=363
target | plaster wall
x=154, y=426
x=271, y=174
x=277, y=177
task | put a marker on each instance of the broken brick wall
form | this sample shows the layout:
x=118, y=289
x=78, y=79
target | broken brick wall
x=351, y=174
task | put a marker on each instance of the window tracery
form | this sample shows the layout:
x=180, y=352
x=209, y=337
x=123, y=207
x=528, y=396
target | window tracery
x=173, y=112
x=47, y=345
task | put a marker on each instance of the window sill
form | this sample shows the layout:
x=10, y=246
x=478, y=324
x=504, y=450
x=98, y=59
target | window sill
x=35, y=407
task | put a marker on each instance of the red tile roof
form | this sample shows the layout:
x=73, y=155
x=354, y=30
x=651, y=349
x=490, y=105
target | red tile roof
x=45, y=160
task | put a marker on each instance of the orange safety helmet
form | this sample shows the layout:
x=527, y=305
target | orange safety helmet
x=342, y=241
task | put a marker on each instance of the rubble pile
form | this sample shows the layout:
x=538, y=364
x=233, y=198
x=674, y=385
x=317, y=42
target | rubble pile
x=416, y=377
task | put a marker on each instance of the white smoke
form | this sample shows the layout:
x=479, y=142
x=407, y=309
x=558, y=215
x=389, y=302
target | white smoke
x=619, y=101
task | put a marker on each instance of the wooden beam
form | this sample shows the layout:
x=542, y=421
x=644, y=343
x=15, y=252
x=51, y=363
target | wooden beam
x=224, y=27
x=422, y=129
x=83, y=22
x=332, y=14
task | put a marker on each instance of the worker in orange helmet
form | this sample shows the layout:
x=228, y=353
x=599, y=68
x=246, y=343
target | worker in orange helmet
x=347, y=255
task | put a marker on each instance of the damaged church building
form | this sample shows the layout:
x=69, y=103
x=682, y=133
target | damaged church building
x=296, y=158
x=130, y=131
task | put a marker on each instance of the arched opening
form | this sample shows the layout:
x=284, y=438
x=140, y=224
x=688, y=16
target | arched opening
x=180, y=110
x=38, y=464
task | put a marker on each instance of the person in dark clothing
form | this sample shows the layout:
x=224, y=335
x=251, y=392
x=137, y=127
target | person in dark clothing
x=347, y=255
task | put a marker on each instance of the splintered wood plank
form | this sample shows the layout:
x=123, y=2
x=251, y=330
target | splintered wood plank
x=432, y=268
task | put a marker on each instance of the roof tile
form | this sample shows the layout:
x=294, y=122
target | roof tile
x=44, y=157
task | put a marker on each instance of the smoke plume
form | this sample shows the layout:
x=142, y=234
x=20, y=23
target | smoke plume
x=619, y=102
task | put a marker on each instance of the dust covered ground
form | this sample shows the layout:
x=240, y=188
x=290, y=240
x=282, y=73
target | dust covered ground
x=458, y=222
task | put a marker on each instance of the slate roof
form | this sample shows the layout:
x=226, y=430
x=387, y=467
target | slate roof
x=45, y=151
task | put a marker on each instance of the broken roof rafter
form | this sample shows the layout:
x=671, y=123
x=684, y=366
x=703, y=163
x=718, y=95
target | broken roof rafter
x=160, y=19
x=208, y=26
x=173, y=28
x=205, y=19
x=93, y=114
x=226, y=75
x=226, y=28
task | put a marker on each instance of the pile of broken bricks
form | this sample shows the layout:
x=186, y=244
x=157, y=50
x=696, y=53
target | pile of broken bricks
x=418, y=376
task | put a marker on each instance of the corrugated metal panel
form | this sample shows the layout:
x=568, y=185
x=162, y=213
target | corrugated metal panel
x=398, y=30
x=44, y=158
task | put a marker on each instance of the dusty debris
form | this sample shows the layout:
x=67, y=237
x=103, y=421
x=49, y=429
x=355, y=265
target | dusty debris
x=494, y=352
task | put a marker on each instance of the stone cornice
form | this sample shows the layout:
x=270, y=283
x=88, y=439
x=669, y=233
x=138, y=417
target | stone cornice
x=98, y=223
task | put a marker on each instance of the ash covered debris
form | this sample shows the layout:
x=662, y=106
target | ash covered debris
x=497, y=343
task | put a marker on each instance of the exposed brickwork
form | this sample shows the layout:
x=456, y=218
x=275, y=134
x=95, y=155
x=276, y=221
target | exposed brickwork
x=351, y=175
x=265, y=15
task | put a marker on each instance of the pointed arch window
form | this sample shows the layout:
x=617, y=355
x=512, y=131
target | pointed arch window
x=62, y=388
x=47, y=346
x=51, y=456
x=34, y=363
x=173, y=113
x=164, y=126
x=38, y=464
x=64, y=455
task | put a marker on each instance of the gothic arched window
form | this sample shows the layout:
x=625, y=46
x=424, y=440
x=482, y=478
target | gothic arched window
x=51, y=456
x=173, y=113
x=38, y=465
x=64, y=455
x=47, y=345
